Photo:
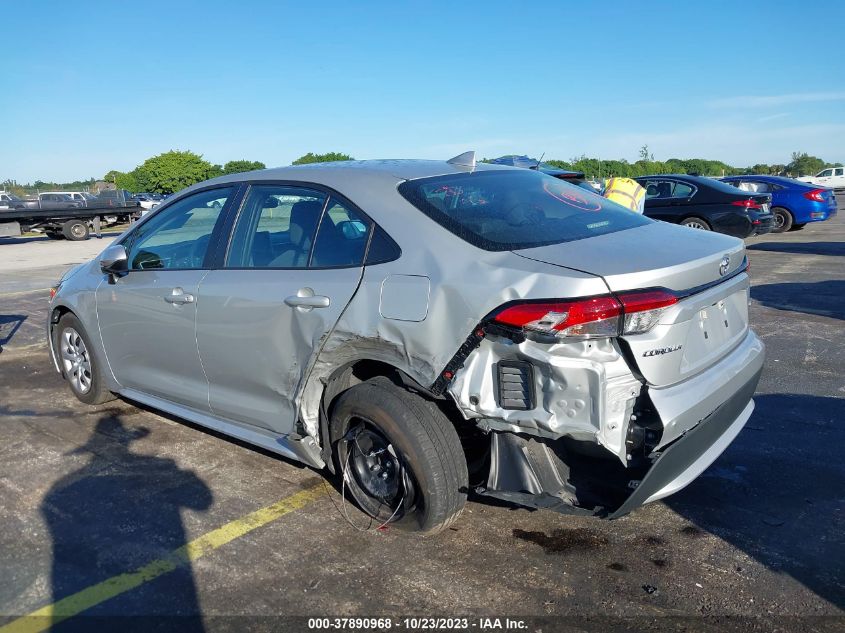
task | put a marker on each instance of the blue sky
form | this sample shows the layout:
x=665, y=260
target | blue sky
x=92, y=86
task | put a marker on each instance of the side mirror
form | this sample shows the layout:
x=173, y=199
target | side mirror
x=114, y=260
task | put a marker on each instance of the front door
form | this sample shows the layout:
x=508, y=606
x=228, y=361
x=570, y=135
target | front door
x=147, y=317
x=294, y=263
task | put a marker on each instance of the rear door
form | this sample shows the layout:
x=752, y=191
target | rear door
x=147, y=317
x=294, y=262
x=665, y=196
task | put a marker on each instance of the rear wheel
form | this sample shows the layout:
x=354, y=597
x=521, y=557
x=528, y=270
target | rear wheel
x=782, y=220
x=79, y=364
x=798, y=227
x=399, y=456
x=696, y=223
x=75, y=230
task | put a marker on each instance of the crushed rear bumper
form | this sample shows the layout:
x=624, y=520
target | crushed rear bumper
x=541, y=473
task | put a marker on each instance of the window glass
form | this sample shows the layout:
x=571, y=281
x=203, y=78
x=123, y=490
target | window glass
x=682, y=190
x=382, y=248
x=658, y=189
x=276, y=227
x=838, y=171
x=342, y=237
x=514, y=209
x=177, y=238
x=825, y=173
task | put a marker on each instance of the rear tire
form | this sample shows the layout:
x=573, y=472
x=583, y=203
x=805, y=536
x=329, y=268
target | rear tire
x=696, y=223
x=782, y=221
x=80, y=365
x=75, y=230
x=798, y=227
x=390, y=422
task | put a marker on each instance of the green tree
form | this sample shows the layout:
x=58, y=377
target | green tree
x=123, y=180
x=321, y=158
x=174, y=170
x=805, y=165
x=238, y=166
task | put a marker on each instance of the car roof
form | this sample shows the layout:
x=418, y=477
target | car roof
x=337, y=174
x=783, y=179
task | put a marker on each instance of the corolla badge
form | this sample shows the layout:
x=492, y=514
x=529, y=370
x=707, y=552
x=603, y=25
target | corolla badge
x=725, y=265
x=662, y=350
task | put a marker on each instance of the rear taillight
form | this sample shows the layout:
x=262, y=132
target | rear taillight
x=748, y=204
x=586, y=318
x=643, y=309
x=816, y=195
x=593, y=317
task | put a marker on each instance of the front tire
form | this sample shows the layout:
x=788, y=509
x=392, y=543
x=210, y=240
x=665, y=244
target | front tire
x=79, y=364
x=400, y=456
x=696, y=223
x=782, y=221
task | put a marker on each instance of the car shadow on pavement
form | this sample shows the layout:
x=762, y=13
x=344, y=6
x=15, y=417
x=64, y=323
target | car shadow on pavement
x=9, y=325
x=778, y=493
x=823, y=298
x=801, y=248
x=116, y=514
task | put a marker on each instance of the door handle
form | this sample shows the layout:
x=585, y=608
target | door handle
x=305, y=300
x=179, y=297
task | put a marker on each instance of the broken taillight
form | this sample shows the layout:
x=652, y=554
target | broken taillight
x=591, y=317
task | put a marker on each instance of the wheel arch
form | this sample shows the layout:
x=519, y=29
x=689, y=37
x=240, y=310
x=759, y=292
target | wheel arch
x=355, y=372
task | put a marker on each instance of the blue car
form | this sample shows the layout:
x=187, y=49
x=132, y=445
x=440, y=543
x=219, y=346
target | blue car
x=794, y=203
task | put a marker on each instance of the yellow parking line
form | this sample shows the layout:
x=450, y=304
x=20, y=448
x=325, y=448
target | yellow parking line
x=44, y=618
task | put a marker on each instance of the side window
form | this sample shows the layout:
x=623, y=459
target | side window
x=382, y=248
x=838, y=171
x=658, y=189
x=825, y=173
x=177, y=238
x=341, y=238
x=682, y=190
x=276, y=227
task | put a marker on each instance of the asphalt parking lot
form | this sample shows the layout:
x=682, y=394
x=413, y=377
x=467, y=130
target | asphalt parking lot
x=90, y=495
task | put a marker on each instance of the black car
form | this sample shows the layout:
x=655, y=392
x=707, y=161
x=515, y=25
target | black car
x=707, y=204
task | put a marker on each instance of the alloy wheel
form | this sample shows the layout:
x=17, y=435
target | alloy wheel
x=75, y=360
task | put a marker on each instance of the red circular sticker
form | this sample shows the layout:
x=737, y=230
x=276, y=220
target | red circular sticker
x=574, y=198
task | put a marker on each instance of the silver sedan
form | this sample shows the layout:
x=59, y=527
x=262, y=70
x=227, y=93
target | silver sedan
x=426, y=328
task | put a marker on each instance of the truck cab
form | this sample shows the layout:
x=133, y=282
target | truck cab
x=833, y=177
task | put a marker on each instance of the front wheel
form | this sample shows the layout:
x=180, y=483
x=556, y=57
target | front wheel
x=80, y=366
x=782, y=220
x=696, y=223
x=400, y=456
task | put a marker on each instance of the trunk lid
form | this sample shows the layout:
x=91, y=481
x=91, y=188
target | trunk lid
x=710, y=319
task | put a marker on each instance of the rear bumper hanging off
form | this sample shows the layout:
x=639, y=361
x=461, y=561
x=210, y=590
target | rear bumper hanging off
x=534, y=472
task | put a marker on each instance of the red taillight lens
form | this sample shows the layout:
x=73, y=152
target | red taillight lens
x=748, y=204
x=633, y=313
x=816, y=195
x=593, y=317
x=53, y=291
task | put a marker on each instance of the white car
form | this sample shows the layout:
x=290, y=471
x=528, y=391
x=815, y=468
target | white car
x=833, y=177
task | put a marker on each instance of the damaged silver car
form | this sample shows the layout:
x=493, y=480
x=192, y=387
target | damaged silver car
x=424, y=329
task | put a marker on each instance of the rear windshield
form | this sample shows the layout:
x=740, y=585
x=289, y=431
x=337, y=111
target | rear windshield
x=501, y=210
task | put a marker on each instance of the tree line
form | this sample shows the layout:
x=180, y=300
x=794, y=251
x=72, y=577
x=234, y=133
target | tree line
x=174, y=170
x=802, y=164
